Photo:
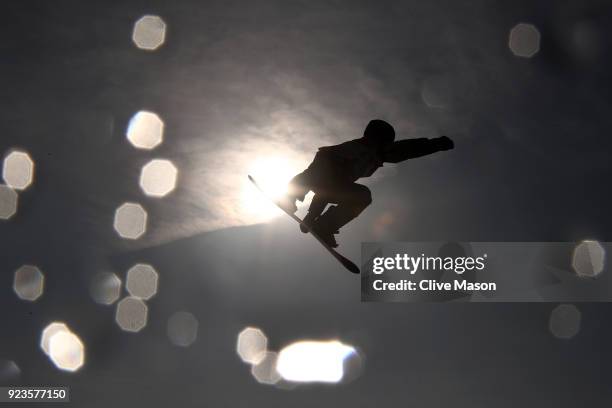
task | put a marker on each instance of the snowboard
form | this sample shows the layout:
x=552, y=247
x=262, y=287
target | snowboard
x=347, y=263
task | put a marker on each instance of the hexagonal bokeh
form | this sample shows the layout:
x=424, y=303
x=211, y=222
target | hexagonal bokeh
x=158, y=177
x=28, y=283
x=141, y=281
x=265, y=371
x=182, y=329
x=145, y=130
x=252, y=345
x=565, y=321
x=18, y=170
x=588, y=259
x=130, y=220
x=149, y=32
x=48, y=332
x=105, y=288
x=524, y=40
x=8, y=202
x=131, y=314
x=67, y=351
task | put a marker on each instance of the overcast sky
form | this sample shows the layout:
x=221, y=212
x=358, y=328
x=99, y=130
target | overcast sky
x=240, y=81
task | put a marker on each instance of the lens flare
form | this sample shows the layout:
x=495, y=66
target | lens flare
x=265, y=371
x=66, y=350
x=314, y=361
x=18, y=170
x=182, y=329
x=158, y=177
x=9, y=371
x=49, y=331
x=252, y=345
x=105, y=288
x=145, y=130
x=524, y=40
x=273, y=175
x=8, y=202
x=28, y=283
x=131, y=314
x=142, y=281
x=564, y=321
x=149, y=32
x=588, y=259
x=130, y=221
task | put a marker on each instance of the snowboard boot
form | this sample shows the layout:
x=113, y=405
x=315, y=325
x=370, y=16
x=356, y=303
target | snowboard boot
x=309, y=220
x=325, y=234
x=315, y=210
x=327, y=225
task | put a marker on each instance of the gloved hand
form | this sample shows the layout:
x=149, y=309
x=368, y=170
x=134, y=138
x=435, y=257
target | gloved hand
x=443, y=143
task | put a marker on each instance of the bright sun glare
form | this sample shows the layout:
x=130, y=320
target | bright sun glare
x=272, y=174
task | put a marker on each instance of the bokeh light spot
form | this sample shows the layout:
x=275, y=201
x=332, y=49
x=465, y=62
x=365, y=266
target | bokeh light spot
x=314, y=361
x=565, y=321
x=130, y=220
x=8, y=202
x=382, y=223
x=182, y=329
x=265, y=371
x=48, y=332
x=18, y=170
x=105, y=288
x=149, y=32
x=67, y=351
x=28, y=283
x=9, y=371
x=524, y=40
x=145, y=130
x=158, y=177
x=588, y=259
x=252, y=345
x=131, y=314
x=141, y=281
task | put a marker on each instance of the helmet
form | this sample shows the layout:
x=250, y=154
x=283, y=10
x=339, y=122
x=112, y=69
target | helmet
x=379, y=131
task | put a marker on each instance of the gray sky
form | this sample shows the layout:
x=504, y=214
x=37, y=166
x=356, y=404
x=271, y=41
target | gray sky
x=240, y=81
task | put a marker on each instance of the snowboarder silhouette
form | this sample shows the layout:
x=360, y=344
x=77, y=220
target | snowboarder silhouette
x=334, y=170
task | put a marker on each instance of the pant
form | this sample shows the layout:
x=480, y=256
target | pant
x=350, y=199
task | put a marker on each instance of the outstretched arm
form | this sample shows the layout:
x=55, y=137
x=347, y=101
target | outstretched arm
x=411, y=148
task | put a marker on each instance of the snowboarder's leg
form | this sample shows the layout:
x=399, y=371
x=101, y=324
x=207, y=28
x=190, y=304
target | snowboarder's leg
x=317, y=205
x=352, y=199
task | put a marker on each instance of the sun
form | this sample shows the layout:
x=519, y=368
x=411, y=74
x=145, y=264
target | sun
x=273, y=175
